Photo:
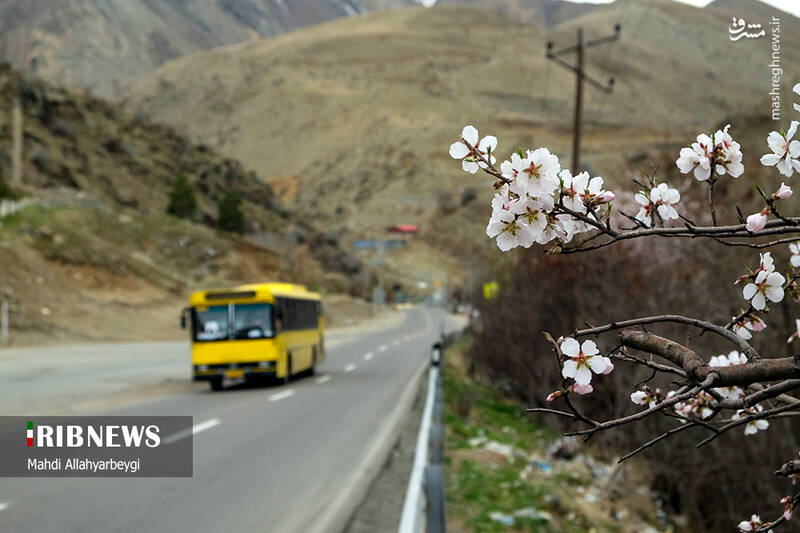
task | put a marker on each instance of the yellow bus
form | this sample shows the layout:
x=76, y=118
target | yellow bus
x=266, y=330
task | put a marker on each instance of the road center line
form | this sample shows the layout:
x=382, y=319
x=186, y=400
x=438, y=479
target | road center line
x=3, y=506
x=396, y=342
x=368, y=356
x=382, y=348
x=281, y=395
x=350, y=367
x=323, y=379
x=197, y=428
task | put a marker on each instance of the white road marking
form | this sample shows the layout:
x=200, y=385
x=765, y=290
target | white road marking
x=395, y=342
x=323, y=379
x=3, y=506
x=350, y=367
x=382, y=348
x=197, y=428
x=368, y=356
x=281, y=395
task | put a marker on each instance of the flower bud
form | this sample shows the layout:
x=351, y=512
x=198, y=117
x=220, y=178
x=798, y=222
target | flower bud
x=783, y=192
x=757, y=221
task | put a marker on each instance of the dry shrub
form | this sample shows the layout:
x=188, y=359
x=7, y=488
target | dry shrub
x=715, y=486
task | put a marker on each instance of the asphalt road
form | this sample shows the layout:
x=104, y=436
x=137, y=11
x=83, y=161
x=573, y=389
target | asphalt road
x=273, y=459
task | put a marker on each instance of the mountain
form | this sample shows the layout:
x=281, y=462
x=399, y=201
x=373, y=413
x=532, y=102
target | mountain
x=353, y=117
x=103, y=45
x=538, y=12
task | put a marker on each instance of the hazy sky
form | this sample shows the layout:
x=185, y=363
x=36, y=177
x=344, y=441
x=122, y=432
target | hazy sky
x=790, y=6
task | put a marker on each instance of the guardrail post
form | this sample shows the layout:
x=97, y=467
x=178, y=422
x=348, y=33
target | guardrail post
x=3, y=322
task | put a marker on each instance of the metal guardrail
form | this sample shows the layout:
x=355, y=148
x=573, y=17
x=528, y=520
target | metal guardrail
x=424, y=506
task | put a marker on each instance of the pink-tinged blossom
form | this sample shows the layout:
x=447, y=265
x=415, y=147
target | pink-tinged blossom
x=788, y=502
x=748, y=324
x=757, y=221
x=766, y=286
x=583, y=359
x=592, y=194
x=785, y=151
x=554, y=395
x=469, y=157
x=783, y=192
x=582, y=389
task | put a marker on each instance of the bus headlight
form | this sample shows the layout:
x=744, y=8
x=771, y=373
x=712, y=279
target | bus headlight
x=265, y=364
x=202, y=368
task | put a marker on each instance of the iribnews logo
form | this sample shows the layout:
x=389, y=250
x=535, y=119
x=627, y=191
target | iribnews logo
x=101, y=436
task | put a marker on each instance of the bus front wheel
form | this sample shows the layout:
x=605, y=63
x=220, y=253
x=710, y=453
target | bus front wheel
x=216, y=384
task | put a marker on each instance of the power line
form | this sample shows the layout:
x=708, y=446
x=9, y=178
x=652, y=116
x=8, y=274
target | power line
x=580, y=78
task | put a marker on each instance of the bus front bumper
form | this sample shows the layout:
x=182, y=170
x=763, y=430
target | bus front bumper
x=259, y=369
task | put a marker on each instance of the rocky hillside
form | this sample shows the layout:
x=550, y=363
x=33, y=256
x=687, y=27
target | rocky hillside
x=93, y=255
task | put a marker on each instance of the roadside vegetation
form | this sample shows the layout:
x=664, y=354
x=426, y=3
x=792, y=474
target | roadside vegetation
x=508, y=473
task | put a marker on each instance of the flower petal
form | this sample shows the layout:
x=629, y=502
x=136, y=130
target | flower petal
x=470, y=134
x=459, y=150
x=570, y=347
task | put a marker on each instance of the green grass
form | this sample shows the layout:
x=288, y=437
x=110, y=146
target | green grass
x=478, y=486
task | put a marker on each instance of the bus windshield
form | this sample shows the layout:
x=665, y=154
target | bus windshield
x=250, y=321
x=211, y=323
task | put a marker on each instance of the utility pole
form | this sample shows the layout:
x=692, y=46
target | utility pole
x=16, y=150
x=580, y=78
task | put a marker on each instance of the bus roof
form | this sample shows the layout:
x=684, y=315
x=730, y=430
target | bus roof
x=260, y=292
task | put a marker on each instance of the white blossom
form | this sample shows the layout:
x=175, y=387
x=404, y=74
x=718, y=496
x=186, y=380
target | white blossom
x=662, y=199
x=750, y=525
x=469, y=160
x=794, y=248
x=537, y=174
x=753, y=426
x=697, y=158
x=785, y=151
x=641, y=397
x=767, y=285
x=509, y=231
x=729, y=154
x=583, y=359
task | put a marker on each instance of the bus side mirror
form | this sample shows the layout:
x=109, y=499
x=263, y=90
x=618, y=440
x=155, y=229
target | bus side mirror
x=183, y=317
